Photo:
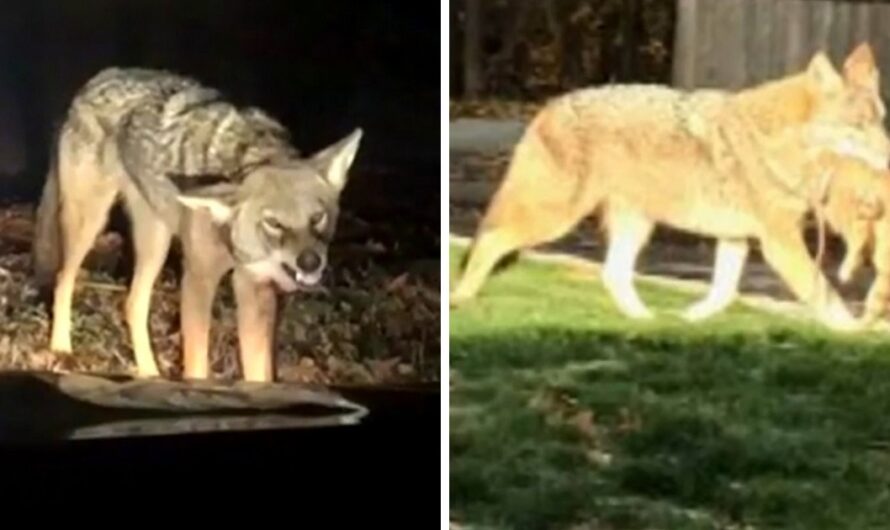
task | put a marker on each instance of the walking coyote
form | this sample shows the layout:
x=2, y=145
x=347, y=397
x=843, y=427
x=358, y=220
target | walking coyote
x=733, y=166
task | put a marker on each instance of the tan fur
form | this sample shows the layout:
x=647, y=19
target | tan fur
x=856, y=207
x=269, y=222
x=733, y=166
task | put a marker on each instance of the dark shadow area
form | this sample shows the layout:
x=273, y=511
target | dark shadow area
x=36, y=410
x=322, y=68
x=521, y=50
x=322, y=465
x=766, y=427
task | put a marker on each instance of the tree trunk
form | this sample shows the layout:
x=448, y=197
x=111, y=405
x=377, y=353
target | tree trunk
x=473, y=78
x=629, y=39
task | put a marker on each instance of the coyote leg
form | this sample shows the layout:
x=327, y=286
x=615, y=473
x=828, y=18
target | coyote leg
x=257, y=315
x=151, y=241
x=628, y=234
x=486, y=251
x=786, y=252
x=86, y=197
x=205, y=262
x=728, y=266
x=537, y=202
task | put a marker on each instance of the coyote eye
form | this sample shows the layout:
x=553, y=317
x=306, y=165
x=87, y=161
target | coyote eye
x=271, y=225
x=318, y=219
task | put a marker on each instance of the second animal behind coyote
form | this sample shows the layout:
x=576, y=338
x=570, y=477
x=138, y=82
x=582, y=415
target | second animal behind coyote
x=733, y=166
x=187, y=163
x=856, y=205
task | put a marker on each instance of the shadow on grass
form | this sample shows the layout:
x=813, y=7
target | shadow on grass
x=668, y=427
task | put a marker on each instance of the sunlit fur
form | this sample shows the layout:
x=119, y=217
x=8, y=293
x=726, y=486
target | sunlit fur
x=733, y=166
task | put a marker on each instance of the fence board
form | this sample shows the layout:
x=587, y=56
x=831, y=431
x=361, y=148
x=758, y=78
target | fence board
x=796, y=35
x=685, y=42
x=841, y=29
x=760, y=47
x=733, y=43
x=821, y=18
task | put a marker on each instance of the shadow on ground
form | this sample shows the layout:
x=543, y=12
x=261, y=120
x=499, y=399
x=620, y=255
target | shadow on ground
x=669, y=428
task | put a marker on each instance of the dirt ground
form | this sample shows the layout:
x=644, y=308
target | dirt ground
x=375, y=322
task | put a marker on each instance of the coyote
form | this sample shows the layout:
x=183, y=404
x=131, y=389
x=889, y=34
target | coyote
x=855, y=206
x=733, y=166
x=225, y=181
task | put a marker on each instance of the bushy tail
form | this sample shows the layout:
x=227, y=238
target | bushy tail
x=46, y=252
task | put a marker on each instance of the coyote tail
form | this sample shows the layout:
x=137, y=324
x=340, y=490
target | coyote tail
x=46, y=252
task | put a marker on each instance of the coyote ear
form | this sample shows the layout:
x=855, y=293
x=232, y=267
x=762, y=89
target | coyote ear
x=860, y=68
x=334, y=161
x=220, y=212
x=823, y=75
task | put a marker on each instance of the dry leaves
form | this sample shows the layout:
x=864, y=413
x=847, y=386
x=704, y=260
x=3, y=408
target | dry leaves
x=377, y=323
x=561, y=410
x=493, y=109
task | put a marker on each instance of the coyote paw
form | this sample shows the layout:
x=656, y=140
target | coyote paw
x=700, y=311
x=457, y=299
x=148, y=372
x=846, y=323
x=638, y=313
x=870, y=321
x=61, y=345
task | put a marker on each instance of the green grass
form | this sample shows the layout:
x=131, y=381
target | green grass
x=566, y=415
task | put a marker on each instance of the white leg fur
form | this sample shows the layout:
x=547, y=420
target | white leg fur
x=728, y=266
x=628, y=233
x=151, y=239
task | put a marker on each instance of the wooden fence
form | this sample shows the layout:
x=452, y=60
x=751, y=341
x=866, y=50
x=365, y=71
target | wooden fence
x=734, y=43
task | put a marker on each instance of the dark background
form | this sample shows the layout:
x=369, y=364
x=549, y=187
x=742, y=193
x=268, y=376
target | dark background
x=534, y=49
x=321, y=67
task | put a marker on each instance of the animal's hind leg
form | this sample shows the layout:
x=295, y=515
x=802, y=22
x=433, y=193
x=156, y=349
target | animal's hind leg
x=539, y=201
x=499, y=238
x=488, y=249
x=628, y=233
x=151, y=243
x=86, y=196
x=728, y=265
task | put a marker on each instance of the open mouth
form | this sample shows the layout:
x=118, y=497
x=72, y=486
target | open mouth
x=308, y=281
x=286, y=279
x=298, y=281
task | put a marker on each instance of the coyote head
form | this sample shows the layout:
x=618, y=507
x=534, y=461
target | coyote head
x=847, y=111
x=280, y=220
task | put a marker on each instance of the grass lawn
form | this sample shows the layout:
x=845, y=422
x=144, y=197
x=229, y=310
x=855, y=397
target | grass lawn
x=565, y=415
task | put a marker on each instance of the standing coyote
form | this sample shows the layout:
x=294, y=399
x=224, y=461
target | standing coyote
x=733, y=166
x=226, y=181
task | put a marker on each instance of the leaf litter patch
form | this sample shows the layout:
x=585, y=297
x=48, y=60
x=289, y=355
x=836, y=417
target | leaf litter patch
x=375, y=322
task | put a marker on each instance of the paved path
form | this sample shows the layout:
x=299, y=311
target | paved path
x=474, y=135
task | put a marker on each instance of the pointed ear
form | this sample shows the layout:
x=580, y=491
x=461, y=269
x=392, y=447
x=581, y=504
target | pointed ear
x=219, y=210
x=334, y=161
x=823, y=76
x=860, y=68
